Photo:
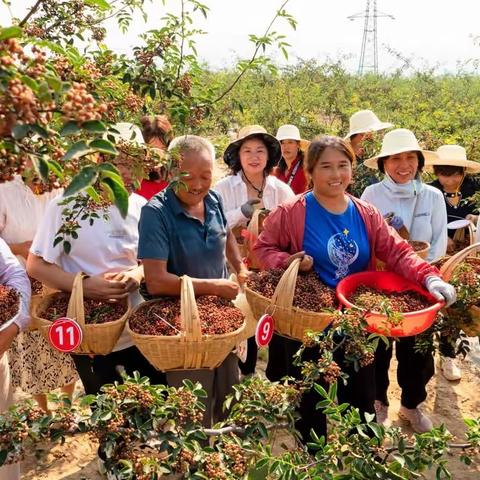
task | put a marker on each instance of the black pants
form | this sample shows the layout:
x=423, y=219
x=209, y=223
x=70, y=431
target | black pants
x=359, y=391
x=102, y=369
x=413, y=373
x=248, y=367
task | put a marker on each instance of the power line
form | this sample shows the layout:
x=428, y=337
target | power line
x=369, y=51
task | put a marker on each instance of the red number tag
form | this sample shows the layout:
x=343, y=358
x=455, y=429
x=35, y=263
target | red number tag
x=65, y=334
x=264, y=331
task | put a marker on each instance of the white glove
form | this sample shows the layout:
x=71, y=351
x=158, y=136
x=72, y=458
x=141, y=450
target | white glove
x=441, y=290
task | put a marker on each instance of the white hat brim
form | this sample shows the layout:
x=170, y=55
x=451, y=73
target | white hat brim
x=372, y=128
x=304, y=144
x=372, y=162
x=469, y=165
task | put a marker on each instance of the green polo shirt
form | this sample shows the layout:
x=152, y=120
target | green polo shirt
x=190, y=247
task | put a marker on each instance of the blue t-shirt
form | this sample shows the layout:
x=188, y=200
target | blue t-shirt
x=338, y=243
x=190, y=247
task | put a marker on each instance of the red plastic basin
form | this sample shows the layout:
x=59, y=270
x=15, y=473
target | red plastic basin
x=413, y=322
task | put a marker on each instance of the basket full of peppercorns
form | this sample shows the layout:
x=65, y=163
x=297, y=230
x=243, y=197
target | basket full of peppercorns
x=420, y=248
x=462, y=270
x=186, y=333
x=9, y=305
x=102, y=322
x=393, y=305
x=297, y=301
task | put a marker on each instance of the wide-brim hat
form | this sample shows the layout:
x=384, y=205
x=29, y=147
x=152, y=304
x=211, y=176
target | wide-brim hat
x=398, y=141
x=230, y=155
x=126, y=132
x=291, y=132
x=365, y=121
x=453, y=156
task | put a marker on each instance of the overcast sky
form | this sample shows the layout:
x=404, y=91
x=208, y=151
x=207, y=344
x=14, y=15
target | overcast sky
x=440, y=32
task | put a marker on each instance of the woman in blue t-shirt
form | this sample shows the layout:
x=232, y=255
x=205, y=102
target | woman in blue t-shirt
x=337, y=235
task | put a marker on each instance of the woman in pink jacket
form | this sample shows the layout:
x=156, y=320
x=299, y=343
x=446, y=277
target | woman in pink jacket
x=337, y=235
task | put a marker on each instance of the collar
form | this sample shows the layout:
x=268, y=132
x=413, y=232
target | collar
x=403, y=190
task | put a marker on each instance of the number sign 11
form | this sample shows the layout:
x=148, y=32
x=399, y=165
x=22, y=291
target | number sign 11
x=65, y=334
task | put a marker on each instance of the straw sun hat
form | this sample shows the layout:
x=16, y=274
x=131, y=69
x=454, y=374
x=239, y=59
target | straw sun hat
x=291, y=132
x=398, y=141
x=273, y=145
x=453, y=156
x=366, y=121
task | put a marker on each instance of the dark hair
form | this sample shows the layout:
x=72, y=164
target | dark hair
x=448, y=170
x=157, y=126
x=421, y=162
x=320, y=144
x=236, y=165
x=282, y=164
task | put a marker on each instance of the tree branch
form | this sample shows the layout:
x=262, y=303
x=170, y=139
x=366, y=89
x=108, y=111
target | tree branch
x=212, y=432
x=30, y=13
x=242, y=73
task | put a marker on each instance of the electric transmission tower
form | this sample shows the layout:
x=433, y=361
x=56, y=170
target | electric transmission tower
x=369, y=51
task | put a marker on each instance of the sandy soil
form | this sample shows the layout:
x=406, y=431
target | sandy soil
x=448, y=403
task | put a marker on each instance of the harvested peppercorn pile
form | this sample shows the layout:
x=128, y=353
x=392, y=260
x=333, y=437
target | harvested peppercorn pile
x=37, y=287
x=310, y=293
x=406, y=301
x=96, y=311
x=9, y=303
x=417, y=246
x=217, y=316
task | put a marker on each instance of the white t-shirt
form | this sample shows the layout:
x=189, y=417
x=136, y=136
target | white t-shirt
x=21, y=210
x=106, y=246
x=429, y=224
x=233, y=191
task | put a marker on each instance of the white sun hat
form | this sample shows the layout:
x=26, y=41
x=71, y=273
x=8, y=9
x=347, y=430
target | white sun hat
x=398, y=141
x=291, y=132
x=453, y=156
x=127, y=132
x=366, y=121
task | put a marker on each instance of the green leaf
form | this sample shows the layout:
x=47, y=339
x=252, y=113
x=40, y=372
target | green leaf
x=77, y=150
x=67, y=247
x=54, y=83
x=120, y=194
x=108, y=167
x=94, y=126
x=81, y=180
x=30, y=82
x=70, y=128
x=100, y=4
x=10, y=32
x=40, y=131
x=92, y=193
x=20, y=131
x=57, y=241
x=55, y=168
x=104, y=146
x=42, y=167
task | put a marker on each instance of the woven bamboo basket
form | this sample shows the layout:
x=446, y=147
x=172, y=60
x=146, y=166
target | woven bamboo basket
x=422, y=253
x=98, y=339
x=190, y=349
x=289, y=321
x=463, y=238
x=472, y=328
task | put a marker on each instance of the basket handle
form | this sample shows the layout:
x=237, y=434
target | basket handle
x=451, y=264
x=189, y=316
x=283, y=295
x=75, y=308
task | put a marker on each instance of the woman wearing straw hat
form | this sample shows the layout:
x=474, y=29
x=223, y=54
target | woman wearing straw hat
x=305, y=226
x=251, y=158
x=362, y=124
x=421, y=209
x=107, y=252
x=184, y=232
x=453, y=171
x=290, y=167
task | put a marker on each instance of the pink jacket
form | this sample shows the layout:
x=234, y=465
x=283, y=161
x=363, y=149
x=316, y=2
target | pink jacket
x=283, y=231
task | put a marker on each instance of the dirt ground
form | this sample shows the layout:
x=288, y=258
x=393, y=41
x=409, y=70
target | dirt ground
x=448, y=403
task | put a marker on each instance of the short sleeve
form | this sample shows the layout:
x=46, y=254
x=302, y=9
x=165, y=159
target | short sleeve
x=42, y=244
x=154, y=242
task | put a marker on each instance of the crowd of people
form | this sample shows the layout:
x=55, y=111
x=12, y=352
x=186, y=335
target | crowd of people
x=315, y=192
